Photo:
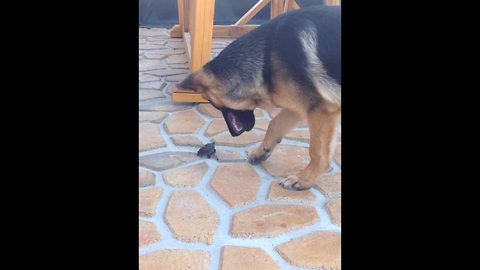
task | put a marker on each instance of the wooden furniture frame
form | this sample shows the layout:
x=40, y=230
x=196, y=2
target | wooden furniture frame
x=197, y=29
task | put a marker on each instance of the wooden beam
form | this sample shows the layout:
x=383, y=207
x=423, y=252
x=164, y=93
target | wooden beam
x=276, y=8
x=180, y=13
x=184, y=96
x=208, y=31
x=201, y=31
x=196, y=32
x=188, y=47
x=232, y=31
x=252, y=12
x=219, y=31
x=191, y=16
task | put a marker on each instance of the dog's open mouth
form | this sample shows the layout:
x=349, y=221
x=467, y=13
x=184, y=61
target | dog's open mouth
x=238, y=121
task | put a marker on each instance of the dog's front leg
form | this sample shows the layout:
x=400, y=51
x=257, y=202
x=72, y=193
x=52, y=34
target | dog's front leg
x=278, y=127
x=322, y=124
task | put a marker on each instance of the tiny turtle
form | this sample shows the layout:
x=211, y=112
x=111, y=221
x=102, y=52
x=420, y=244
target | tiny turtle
x=207, y=150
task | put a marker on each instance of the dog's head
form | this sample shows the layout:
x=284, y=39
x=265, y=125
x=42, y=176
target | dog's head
x=237, y=109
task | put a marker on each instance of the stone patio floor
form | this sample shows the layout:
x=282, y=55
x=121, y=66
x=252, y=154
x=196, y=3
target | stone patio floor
x=214, y=214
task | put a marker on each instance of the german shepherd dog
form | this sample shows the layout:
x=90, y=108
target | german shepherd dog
x=291, y=62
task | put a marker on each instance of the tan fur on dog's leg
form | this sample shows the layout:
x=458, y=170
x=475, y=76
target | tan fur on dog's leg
x=322, y=123
x=278, y=127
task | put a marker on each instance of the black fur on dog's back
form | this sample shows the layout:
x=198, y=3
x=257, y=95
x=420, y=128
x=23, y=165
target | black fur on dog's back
x=246, y=64
x=327, y=25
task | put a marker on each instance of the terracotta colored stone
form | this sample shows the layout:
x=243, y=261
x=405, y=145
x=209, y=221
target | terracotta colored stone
x=186, y=141
x=156, y=85
x=258, y=112
x=215, y=127
x=334, y=209
x=162, y=52
x=171, y=39
x=148, y=233
x=162, y=43
x=218, y=46
x=149, y=94
x=160, y=37
x=166, y=72
x=167, y=160
x=184, y=122
x=177, y=59
x=167, y=107
x=155, y=117
x=151, y=32
x=317, y=250
x=148, y=200
x=245, y=139
x=145, y=178
x=175, y=259
x=180, y=66
x=286, y=160
x=176, y=78
x=338, y=154
x=149, y=46
x=155, y=56
x=279, y=194
x=147, y=78
x=299, y=135
x=157, y=41
x=176, y=44
x=237, y=184
x=145, y=65
x=272, y=220
x=228, y=156
x=149, y=137
x=191, y=218
x=186, y=176
x=209, y=110
x=246, y=258
x=330, y=185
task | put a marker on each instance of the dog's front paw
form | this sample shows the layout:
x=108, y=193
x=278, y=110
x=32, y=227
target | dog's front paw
x=296, y=183
x=258, y=155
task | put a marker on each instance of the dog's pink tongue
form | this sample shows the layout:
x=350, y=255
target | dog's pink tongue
x=235, y=123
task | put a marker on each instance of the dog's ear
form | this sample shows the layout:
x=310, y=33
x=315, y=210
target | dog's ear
x=189, y=83
x=199, y=81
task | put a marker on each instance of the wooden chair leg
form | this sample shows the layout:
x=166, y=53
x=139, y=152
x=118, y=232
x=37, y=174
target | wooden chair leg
x=198, y=32
x=277, y=8
x=201, y=31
